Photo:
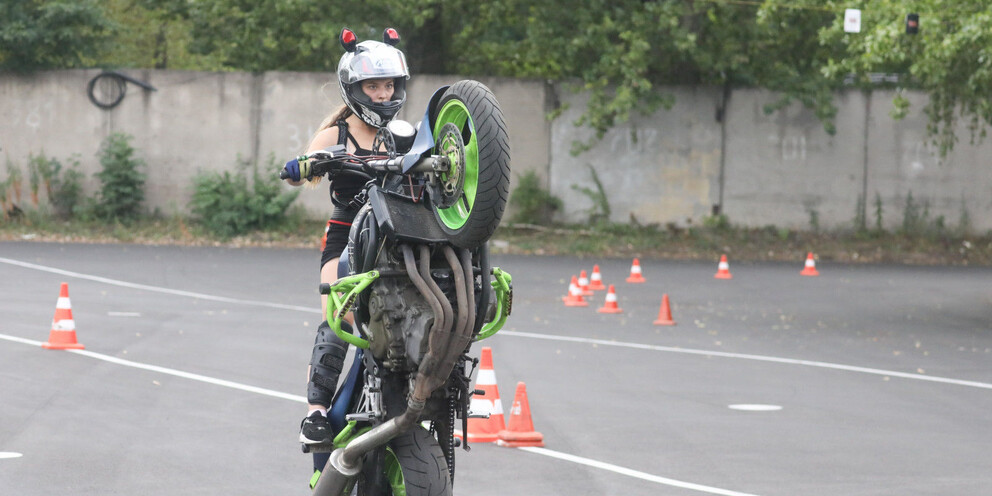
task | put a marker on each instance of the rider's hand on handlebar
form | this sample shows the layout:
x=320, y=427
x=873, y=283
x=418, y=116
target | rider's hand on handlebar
x=298, y=169
x=309, y=166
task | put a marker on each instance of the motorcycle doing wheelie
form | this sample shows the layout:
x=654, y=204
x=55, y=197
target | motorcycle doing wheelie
x=421, y=290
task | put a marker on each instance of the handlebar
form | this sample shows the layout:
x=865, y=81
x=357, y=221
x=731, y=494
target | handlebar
x=336, y=159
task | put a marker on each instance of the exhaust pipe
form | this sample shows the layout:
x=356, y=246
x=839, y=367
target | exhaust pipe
x=345, y=463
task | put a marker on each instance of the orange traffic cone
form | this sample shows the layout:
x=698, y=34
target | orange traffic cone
x=520, y=431
x=584, y=284
x=810, y=268
x=664, y=313
x=596, y=279
x=63, y=334
x=486, y=430
x=635, y=272
x=723, y=269
x=574, y=298
x=610, y=305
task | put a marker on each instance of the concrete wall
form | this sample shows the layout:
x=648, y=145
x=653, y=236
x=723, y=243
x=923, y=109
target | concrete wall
x=206, y=121
x=671, y=167
x=657, y=169
x=779, y=169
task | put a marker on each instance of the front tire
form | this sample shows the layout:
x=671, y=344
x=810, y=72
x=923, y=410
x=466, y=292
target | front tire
x=473, y=218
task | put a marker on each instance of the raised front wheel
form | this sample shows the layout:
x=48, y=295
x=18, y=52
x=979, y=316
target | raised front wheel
x=479, y=177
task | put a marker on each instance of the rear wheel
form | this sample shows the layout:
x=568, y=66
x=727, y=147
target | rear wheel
x=480, y=175
x=411, y=465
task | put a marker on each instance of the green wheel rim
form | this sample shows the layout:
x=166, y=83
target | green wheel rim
x=455, y=112
x=394, y=474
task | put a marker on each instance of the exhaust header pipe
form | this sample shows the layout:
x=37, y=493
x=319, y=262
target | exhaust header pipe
x=345, y=464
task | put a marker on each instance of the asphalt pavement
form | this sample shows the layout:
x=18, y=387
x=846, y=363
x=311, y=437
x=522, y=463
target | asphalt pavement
x=865, y=380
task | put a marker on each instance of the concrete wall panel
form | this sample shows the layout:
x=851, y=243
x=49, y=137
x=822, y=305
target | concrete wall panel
x=655, y=169
x=783, y=168
x=779, y=168
x=904, y=161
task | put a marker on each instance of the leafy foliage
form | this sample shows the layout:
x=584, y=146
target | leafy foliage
x=123, y=183
x=620, y=51
x=532, y=203
x=44, y=34
x=66, y=188
x=600, y=210
x=227, y=204
x=950, y=59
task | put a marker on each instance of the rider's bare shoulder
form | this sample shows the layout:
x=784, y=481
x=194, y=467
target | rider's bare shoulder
x=324, y=138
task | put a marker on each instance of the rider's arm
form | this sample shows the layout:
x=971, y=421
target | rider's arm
x=325, y=138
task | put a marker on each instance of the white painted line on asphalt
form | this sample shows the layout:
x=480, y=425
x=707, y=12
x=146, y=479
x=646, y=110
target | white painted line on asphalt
x=172, y=372
x=633, y=473
x=755, y=408
x=301, y=399
x=689, y=351
x=124, y=314
x=9, y=454
x=145, y=287
x=761, y=358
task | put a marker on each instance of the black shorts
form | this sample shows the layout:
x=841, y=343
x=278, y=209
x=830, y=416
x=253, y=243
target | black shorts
x=336, y=237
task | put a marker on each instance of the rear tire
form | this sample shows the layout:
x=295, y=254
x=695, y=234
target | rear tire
x=472, y=107
x=414, y=461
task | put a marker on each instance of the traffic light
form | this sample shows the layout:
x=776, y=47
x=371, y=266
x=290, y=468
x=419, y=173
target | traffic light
x=912, y=23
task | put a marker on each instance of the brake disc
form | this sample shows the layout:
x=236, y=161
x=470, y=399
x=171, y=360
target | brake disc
x=384, y=143
x=446, y=186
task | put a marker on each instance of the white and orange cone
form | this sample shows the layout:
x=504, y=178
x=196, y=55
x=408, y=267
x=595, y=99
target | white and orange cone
x=584, y=284
x=486, y=430
x=635, y=273
x=519, y=430
x=574, y=298
x=596, y=279
x=610, y=305
x=63, y=333
x=723, y=269
x=810, y=268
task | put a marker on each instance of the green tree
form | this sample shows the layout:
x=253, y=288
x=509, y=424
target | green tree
x=622, y=52
x=46, y=34
x=300, y=35
x=149, y=36
x=950, y=58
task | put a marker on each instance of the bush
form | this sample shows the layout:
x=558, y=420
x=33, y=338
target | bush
x=533, y=204
x=123, y=188
x=227, y=205
x=66, y=189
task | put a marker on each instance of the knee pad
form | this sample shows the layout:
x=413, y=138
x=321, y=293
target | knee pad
x=325, y=364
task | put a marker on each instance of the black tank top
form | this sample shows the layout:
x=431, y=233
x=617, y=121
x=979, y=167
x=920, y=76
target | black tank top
x=344, y=187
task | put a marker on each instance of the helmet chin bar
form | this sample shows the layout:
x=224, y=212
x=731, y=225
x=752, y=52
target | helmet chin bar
x=372, y=113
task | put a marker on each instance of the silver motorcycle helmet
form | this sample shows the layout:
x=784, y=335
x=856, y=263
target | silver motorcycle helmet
x=372, y=60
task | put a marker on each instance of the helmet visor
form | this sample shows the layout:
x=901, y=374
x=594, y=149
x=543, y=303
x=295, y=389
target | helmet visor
x=373, y=60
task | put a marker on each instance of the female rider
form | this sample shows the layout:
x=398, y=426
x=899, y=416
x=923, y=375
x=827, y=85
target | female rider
x=372, y=77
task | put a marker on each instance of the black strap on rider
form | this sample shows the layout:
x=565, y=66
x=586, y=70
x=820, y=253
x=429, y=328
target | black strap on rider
x=344, y=136
x=360, y=198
